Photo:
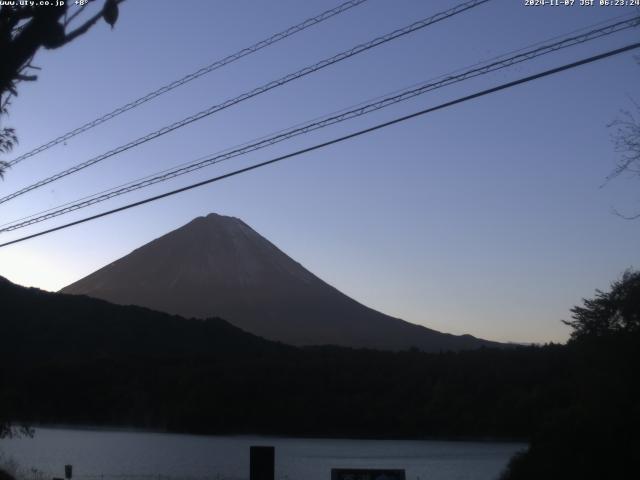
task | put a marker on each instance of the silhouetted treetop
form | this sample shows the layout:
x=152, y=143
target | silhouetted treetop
x=609, y=312
x=24, y=29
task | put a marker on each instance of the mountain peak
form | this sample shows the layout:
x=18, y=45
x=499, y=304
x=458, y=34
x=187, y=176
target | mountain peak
x=219, y=266
x=214, y=218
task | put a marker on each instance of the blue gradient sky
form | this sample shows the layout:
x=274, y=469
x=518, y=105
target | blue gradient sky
x=486, y=218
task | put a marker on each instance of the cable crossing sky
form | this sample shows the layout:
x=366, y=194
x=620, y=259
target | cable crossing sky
x=379, y=126
x=257, y=91
x=407, y=94
x=192, y=76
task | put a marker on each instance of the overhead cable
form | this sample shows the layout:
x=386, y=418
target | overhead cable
x=457, y=101
x=252, y=93
x=323, y=122
x=192, y=76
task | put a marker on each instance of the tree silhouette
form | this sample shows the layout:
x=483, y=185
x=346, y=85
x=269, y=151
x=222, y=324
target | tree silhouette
x=589, y=429
x=616, y=311
x=25, y=29
x=626, y=139
x=627, y=142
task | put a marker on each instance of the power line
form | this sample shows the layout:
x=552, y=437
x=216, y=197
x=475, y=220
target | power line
x=362, y=109
x=379, y=126
x=415, y=85
x=192, y=76
x=257, y=91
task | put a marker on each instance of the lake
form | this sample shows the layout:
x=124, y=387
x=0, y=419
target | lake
x=113, y=455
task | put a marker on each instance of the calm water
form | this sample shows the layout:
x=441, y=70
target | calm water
x=148, y=455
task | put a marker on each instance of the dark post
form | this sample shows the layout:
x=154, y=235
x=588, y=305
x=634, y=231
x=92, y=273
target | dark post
x=262, y=463
x=68, y=472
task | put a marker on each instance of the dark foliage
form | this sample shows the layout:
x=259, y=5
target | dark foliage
x=69, y=359
x=25, y=28
x=616, y=311
x=5, y=476
x=595, y=435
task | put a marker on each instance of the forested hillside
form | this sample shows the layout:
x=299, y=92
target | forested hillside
x=76, y=360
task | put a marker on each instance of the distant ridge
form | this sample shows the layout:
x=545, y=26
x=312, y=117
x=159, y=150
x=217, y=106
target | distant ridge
x=219, y=266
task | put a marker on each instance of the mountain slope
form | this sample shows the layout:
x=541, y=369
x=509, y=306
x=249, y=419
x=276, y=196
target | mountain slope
x=35, y=322
x=219, y=266
x=75, y=360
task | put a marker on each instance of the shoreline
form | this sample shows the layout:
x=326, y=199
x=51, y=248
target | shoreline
x=311, y=436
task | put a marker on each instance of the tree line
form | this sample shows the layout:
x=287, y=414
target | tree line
x=76, y=360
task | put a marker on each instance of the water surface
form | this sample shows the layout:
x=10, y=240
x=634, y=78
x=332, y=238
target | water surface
x=148, y=456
